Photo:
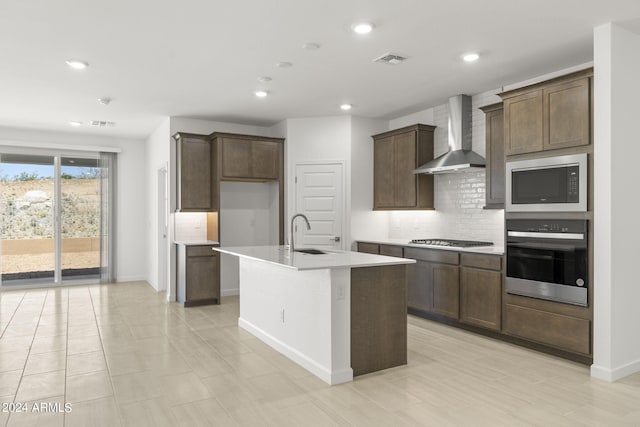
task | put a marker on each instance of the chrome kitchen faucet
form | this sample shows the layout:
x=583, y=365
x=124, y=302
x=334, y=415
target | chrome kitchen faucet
x=291, y=236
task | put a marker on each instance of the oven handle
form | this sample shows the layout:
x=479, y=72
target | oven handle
x=566, y=236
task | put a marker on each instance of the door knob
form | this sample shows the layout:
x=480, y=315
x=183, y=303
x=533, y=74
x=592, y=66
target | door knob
x=335, y=239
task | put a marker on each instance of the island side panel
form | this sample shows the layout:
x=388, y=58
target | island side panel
x=378, y=318
x=302, y=314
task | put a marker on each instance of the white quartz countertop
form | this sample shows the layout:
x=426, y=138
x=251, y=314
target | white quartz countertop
x=278, y=255
x=488, y=250
x=195, y=242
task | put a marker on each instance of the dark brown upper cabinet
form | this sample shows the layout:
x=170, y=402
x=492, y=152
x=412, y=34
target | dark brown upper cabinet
x=549, y=115
x=495, y=172
x=396, y=154
x=250, y=159
x=197, y=191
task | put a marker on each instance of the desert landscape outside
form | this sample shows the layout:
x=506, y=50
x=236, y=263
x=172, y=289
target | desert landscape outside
x=27, y=224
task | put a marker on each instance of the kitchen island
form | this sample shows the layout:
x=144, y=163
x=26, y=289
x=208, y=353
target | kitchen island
x=338, y=314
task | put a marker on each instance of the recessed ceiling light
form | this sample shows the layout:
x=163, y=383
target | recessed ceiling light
x=470, y=57
x=75, y=123
x=346, y=107
x=76, y=65
x=362, y=27
x=284, y=64
x=311, y=46
x=264, y=79
x=104, y=101
x=261, y=93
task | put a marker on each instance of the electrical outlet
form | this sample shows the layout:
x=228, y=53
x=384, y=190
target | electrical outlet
x=282, y=315
x=340, y=292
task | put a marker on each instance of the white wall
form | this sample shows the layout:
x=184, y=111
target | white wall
x=161, y=151
x=131, y=214
x=459, y=198
x=315, y=140
x=157, y=157
x=616, y=291
x=366, y=224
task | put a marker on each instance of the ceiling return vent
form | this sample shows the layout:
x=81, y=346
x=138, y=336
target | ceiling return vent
x=391, y=58
x=102, y=124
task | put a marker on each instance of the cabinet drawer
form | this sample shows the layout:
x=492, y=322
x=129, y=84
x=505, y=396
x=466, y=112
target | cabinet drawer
x=488, y=262
x=391, y=250
x=434, y=255
x=568, y=333
x=369, y=248
x=200, y=251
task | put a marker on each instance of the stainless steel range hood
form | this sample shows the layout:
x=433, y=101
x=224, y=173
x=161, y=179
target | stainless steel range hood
x=460, y=158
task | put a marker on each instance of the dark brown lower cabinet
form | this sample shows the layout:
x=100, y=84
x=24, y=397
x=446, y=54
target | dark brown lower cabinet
x=465, y=289
x=446, y=290
x=557, y=330
x=434, y=288
x=481, y=297
x=368, y=248
x=419, y=286
x=378, y=318
x=390, y=250
x=481, y=290
x=199, y=280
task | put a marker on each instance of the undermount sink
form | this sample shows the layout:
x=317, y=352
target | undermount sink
x=310, y=251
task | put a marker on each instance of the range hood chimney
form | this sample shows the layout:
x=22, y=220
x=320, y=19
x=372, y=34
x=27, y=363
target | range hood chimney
x=460, y=157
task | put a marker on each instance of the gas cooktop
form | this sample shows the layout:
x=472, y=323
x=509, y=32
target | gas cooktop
x=450, y=242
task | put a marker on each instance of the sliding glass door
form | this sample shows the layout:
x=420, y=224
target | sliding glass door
x=54, y=216
x=80, y=218
x=27, y=209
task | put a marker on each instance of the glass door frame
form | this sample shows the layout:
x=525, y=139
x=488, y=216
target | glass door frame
x=57, y=215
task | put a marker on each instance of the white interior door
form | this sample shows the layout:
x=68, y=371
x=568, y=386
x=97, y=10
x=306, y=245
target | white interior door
x=319, y=196
x=163, y=228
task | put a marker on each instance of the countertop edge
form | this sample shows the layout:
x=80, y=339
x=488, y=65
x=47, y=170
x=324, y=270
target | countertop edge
x=389, y=261
x=485, y=250
x=196, y=243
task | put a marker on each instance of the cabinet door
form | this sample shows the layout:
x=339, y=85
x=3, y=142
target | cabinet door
x=195, y=178
x=202, y=276
x=523, y=123
x=369, y=248
x=567, y=115
x=383, y=172
x=236, y=158
x=480, y=297
x=389, y=250
x=264, y=160
x=419, y=286
x=564, y=332
x=446, y=290
x=495, y=175
x=405, y=179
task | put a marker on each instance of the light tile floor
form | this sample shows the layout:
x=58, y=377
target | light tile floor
x=120, y=354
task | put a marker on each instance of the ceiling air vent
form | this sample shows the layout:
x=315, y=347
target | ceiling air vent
x=390, y=58
x=102, y=124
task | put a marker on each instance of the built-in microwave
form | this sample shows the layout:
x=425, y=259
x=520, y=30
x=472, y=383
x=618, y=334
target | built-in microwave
x=549, y=184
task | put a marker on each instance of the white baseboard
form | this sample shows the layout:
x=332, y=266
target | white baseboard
x=611, y=375
x=326, y=375
x=132, y=279
x=229, y=292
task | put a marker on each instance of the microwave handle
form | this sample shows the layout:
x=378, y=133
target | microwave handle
x=566, y=236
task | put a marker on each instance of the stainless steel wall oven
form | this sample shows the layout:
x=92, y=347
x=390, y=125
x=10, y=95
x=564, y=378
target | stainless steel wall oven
x=548, y=259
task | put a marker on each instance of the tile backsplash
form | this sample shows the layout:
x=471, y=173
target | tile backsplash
x=459, y=197
x=190, y=226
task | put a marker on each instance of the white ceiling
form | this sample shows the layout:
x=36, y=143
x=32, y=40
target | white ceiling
x=202, y=58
